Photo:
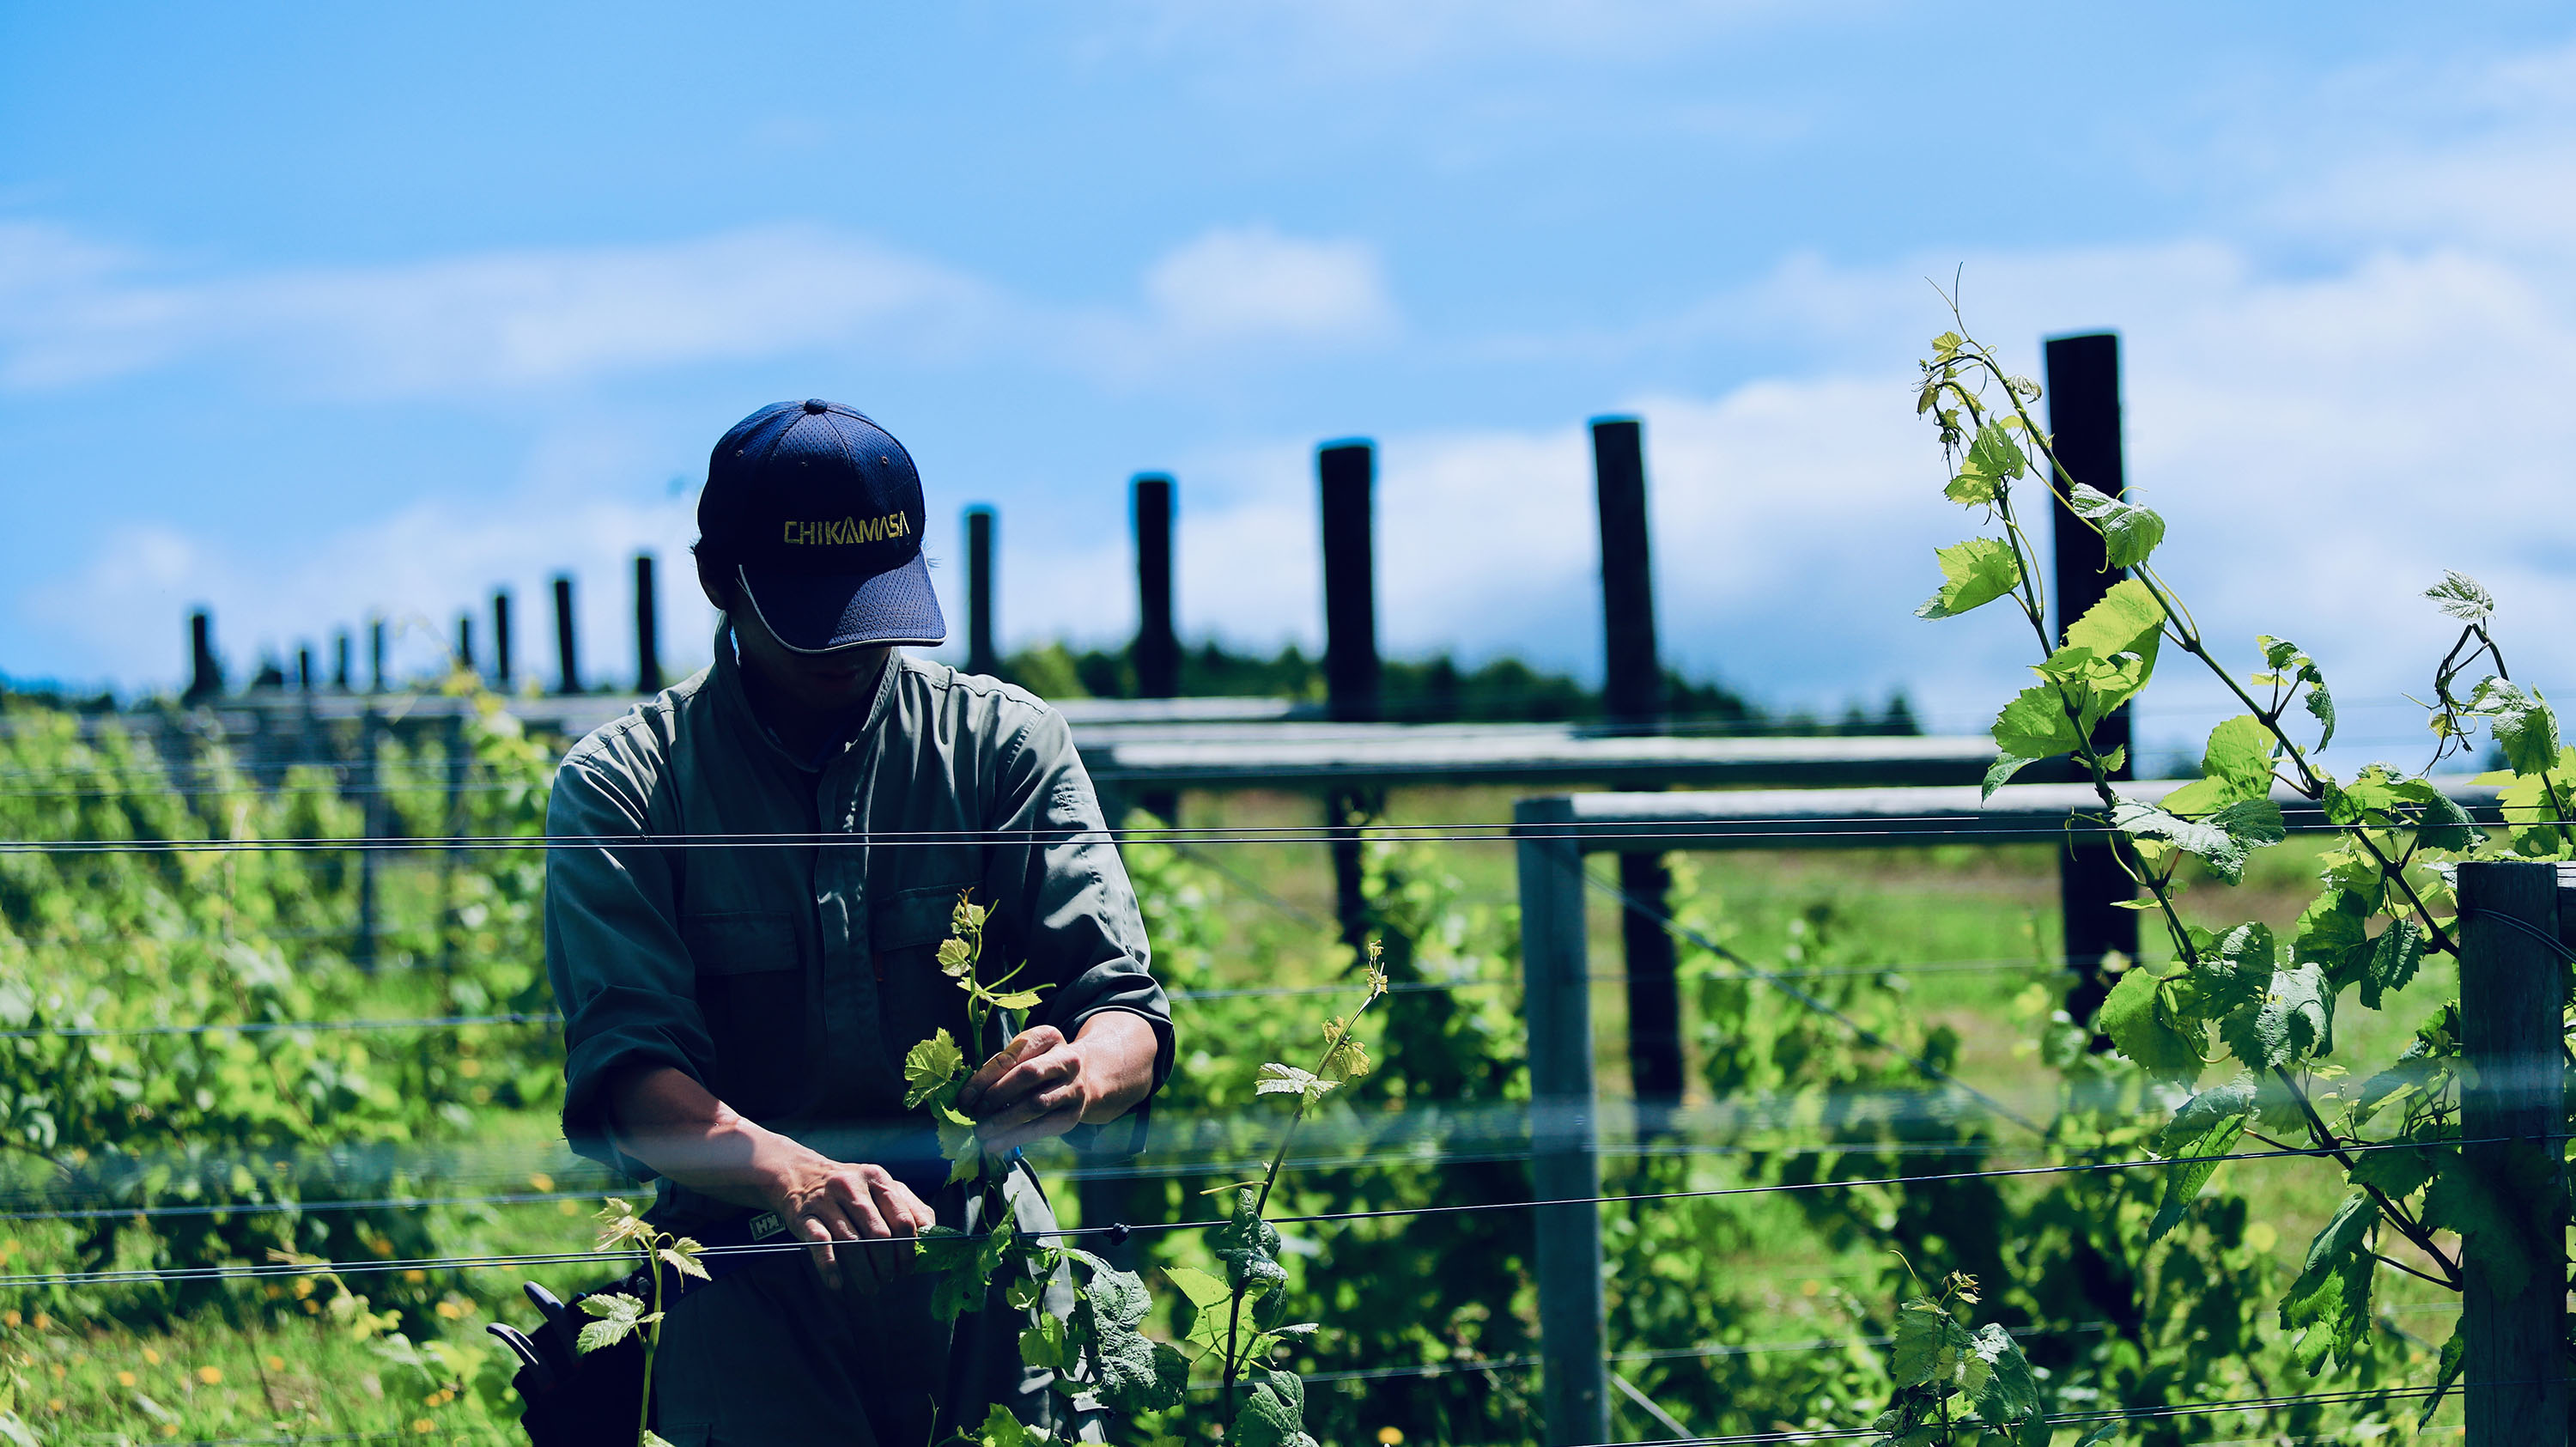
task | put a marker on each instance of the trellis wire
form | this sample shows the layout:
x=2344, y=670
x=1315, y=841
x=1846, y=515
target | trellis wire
x=1122, y=1230
x=1860, y=1032
x=2075, y=1419
x=1678, y=836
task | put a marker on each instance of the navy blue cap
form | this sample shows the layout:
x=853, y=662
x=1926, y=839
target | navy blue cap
x=821, y=510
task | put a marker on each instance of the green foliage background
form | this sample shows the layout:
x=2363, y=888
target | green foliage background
x=1744, y=1313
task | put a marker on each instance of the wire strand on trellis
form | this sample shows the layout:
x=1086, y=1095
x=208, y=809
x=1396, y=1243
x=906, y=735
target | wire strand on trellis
x=1673, y=835
x=254, y=1271
x=1860, y=1032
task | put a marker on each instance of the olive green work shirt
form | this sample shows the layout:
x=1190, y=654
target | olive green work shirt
x=769, y=924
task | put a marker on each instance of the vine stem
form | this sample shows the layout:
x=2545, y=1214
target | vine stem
x=652, y=1344
x=1270, y=1178
x=2186, y=634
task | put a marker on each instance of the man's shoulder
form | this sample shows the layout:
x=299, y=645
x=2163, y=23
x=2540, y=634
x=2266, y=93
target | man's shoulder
x=638, y=743
x=975, y=702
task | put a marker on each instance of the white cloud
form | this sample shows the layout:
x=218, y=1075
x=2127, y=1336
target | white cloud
x=1251, y=284
x=78, y=312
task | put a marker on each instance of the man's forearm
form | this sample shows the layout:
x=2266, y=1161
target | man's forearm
x=676, y=1126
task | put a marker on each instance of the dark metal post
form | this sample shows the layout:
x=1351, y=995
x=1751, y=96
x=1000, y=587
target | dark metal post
x=648, y=647
x=375, y=655
x=980, y=657
x=567, y=659
x=465, y=642
x=1632, y=696
x=1565, y=1158
x=304, y=668
x=1158, y=646
x=2084, y=422
x=205, y=671
x=1157, y=654
x=2513, y=993
x=1347, y=475
x=340, y=660
x=501, y=641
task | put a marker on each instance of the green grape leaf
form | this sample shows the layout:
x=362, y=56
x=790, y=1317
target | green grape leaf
x=2222, y=841
x=2329, y=1304
x=2393, y=959
x=2394, y=1171
x=2321, y=704
x=1249, y=1247
x=2209, y=1124
x=1202, y=1289
x=2009, y=1393
x=2128, y=619
x=1974, y=573
x=1135, y=1374
x=2140, y=1023
x=2455, y=1356
x=2129, y=532
x=1929, y=1342
x=1993, y=457
x=2439, y=821
x=1001, y=1429
x=1044, y=1346
x=2462, y=598
x=1016, y=1000
x=2235, y=969
x=2001, y=771
x=619, y=1316
x=2034, y=725
x=929, y=1066
x=1278, y=1079
x=1274, y=1411
x=2524, y=724
x=2333, y=934
x=2294, y=1019
x=2239, y=757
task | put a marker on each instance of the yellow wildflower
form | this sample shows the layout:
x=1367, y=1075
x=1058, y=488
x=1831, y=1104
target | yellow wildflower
x=125, y=1379
x=210, y=1375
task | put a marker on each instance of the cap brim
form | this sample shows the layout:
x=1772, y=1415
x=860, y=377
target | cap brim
x=813, y=613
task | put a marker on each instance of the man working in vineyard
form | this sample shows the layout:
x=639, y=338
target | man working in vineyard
x=748, y=880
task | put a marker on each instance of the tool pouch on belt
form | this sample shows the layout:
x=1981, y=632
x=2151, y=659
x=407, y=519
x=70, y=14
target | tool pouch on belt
x=589, y=1399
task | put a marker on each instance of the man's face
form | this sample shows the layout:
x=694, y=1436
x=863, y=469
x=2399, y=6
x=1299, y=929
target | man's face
x=836, y=682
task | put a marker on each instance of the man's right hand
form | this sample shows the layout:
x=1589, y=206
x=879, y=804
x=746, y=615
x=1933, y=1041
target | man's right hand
x=825, y=1202
x=667, y=1120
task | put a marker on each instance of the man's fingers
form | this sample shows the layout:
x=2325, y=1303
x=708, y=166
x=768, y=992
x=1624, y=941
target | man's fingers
x=1035, y=1104
x=905, y=1217
x=1034, y=1041
x=818, y=1234
x=1044, y=1127
x=1034, y=1073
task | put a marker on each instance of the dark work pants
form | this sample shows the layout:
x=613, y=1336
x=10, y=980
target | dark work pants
x=768, y=1357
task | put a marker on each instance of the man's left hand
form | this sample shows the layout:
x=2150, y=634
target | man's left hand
x=1042, y=1085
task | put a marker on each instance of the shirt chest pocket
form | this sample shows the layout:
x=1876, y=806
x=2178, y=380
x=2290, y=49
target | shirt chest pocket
x=752, y=994
x=904, y=933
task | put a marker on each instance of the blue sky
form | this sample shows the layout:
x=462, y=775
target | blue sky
x=307, y=310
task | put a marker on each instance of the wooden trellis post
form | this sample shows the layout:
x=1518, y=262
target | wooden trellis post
x=2513, y=995
x=1346, y=473
x=2083, y=401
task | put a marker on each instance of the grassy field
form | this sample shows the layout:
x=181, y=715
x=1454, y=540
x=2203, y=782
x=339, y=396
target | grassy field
x=1964, y=933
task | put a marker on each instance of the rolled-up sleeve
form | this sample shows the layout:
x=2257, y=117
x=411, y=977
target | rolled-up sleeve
x=621, y=975
x=1062, y=900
